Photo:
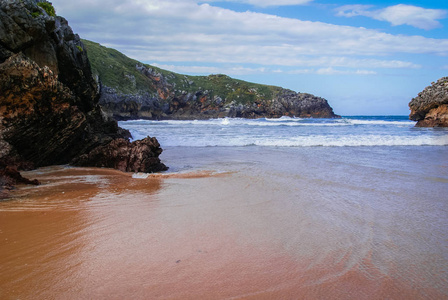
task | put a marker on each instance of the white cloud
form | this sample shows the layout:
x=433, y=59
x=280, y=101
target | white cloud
x=400, y=14
x=266, y=3
x=353, y=10
x=188, y=69
x=183, y=31
x=240, y=70
x=332, y=71
x=234, y=70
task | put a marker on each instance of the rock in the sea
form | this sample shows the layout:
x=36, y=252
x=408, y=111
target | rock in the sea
x=49, y=111
x=430, y=107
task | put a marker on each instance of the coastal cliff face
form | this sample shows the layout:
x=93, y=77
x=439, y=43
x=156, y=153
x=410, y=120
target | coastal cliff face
x=132, y=90
x=49, y=112
x=430, y=107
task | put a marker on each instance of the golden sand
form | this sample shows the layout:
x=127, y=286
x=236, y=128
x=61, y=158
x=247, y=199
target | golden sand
x=90, y=233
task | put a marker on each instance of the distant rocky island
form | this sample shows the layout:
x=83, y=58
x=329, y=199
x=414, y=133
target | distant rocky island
x=132, y=90
x=430, y=107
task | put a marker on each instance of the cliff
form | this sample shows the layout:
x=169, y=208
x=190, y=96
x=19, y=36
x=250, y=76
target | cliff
x=132, y=90
x=49, y=112
x=430, y=107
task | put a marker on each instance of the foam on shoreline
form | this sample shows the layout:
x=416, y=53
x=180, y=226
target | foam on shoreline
x=186, y=175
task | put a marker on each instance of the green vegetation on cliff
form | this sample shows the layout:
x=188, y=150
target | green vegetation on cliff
x=48, y=7
x=123, y=74
x=133, y=90
x=112, y=67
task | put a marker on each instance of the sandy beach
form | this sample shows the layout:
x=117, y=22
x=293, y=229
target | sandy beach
x=242, y=230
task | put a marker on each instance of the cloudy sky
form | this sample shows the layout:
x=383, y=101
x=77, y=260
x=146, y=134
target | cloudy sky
x=366, y=57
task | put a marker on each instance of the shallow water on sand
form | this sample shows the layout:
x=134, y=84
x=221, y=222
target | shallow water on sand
x=235, y=223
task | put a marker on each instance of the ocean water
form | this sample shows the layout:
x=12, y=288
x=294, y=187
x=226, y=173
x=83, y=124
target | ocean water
x=289, y=132
x=218, y=143
x=351, y=208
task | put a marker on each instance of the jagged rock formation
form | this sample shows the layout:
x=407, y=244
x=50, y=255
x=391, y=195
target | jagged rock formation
x=49, y=112
x=430, y=107
x=40, y=119
x=132, y=90
x=138, y=156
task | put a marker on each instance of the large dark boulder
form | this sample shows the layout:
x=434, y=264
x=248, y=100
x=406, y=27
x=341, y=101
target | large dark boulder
x=120, y=154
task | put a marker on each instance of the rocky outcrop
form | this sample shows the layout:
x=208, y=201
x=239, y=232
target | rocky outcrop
x=50, y=42
x=120, y=154
x=9, y=177
x=49, y=112
x=132, y=90
x=40, y=120
x=430, y=107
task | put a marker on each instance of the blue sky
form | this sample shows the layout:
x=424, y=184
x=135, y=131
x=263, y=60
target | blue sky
x=364, y=57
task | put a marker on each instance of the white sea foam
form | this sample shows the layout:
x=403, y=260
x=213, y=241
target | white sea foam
x=140, y=175
x=283, y=121
x=306, y=141
x=355, y=141
x=380, y=122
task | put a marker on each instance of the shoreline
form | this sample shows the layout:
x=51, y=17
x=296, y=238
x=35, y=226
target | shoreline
x=40, y=179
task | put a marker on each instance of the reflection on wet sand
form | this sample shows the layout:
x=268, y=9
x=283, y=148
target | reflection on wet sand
x=101, y=234
x=44, y=230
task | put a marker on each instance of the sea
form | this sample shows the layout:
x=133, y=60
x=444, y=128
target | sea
x=345, y=136
x=288, y=208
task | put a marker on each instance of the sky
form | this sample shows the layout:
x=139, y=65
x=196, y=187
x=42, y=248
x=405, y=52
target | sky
x=365, y=57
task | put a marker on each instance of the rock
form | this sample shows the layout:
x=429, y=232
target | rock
x=120, y=154
x=430, y=107
x=9, y=177
x=50, y=42
x=49, y=112
x=37, y=118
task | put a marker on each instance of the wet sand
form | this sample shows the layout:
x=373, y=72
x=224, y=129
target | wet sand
x=101, y=234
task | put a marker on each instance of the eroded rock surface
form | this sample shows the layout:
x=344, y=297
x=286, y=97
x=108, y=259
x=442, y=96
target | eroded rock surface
x=120, y=154
x=430, y=107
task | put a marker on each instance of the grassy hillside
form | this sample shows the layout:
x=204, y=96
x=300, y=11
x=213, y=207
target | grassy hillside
x=120, y=72
x=115, y=69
